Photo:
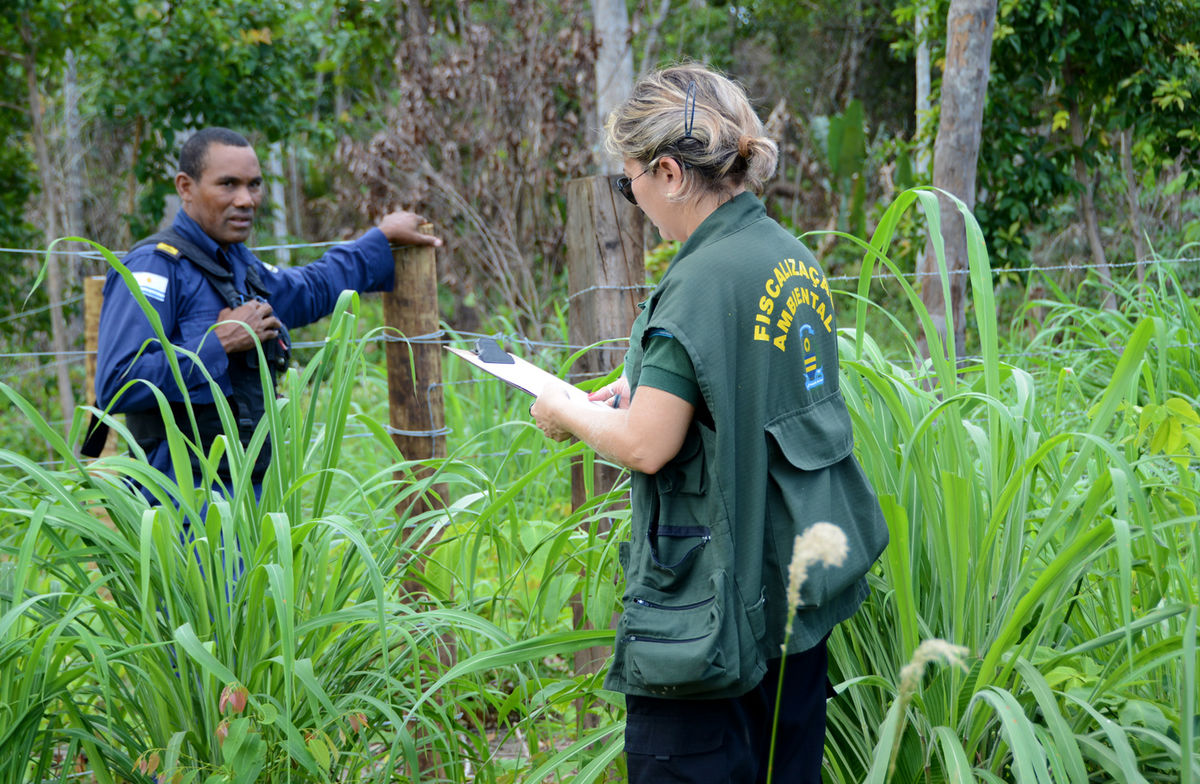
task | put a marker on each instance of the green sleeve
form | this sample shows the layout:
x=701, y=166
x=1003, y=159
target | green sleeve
x=666, y=366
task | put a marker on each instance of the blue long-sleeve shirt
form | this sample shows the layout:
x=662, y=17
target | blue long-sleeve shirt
x=188, y=304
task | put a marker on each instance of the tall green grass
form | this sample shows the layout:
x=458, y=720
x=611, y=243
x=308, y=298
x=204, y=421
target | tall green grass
x=123, y=638
x=1040, y=495
x=1030, y=524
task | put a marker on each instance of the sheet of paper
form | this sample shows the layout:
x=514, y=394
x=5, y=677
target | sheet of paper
x=524, y=376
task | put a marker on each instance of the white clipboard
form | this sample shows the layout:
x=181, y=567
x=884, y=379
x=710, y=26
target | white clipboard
x=488, y=356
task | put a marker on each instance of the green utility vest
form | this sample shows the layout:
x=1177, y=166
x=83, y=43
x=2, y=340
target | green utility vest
x=768, y=455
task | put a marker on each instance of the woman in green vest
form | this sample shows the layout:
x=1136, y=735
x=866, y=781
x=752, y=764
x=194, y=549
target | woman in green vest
x=730, y=418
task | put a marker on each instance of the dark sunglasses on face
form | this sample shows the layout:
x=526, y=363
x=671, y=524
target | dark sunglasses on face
x=625, y=187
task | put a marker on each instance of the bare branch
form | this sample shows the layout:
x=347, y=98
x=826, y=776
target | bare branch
x=651, y=45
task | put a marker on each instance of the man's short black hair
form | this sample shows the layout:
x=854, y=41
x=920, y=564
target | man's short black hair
x=193, y=156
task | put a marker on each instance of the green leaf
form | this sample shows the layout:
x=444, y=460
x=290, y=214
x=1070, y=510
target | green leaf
x=319, y=749
x=268, y=714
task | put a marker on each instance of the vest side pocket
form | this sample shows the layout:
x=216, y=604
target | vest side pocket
x=675, y=646
x=813, y=477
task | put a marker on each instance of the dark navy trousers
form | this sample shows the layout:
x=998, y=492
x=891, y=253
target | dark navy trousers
x=728, y=741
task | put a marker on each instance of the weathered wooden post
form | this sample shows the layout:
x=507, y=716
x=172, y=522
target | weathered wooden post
x=606, y=275
x=416, y=403
x=93, y=299
x=414, y=361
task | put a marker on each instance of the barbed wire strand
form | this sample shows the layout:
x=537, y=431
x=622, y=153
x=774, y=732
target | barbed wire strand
x=886, y=275
x=42, y=309
x=94, y=254
x=68, y=357
x=883, y=275
x=440, y=337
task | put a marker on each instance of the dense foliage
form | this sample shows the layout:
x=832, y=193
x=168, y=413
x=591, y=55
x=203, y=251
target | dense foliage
x=366, y=620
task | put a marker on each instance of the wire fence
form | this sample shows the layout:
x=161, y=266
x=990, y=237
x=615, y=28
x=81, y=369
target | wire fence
x=882, y=275
x=531, y=345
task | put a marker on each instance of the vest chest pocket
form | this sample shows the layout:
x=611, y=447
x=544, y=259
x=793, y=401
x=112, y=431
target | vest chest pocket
x=687, y=472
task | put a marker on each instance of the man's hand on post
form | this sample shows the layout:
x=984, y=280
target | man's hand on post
x=401, y=228
x=255, y=314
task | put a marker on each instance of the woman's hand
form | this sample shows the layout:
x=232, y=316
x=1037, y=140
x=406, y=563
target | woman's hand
x=642, y=434
x=548, y=410
x=615, y=395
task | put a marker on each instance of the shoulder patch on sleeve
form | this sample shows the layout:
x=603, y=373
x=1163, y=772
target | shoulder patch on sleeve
x=271, y=268
x=154, y=286
x=170, y=250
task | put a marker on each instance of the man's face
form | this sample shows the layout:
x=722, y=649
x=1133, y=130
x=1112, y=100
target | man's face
x=225, y=198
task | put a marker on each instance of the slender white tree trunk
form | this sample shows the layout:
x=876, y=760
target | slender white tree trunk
x=922, y=23
x=1132, y=193
x=278, y=202
x=54, y=286
x=614, y=70
x=653, y=28
x=295, y=194
x=1087, y=205
x=74, y=162
x=969, y=29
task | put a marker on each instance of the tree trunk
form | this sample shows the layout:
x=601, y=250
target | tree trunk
x=848, y=60
x=131, y=179
x=614, y=69
x=1132, y=195
x=295, y=194
x=1087, y=205
x=74, y=162
x=279, y=223
x=54, y=287
x=969, y=28
x=653, y=28
x=922, y=22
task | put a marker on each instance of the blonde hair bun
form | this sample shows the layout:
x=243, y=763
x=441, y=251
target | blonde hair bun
x=727, y=146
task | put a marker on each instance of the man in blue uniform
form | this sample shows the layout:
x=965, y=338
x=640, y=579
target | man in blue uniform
x=199, y=274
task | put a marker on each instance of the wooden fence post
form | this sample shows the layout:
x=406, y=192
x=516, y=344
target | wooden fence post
x=93, y=299
x=416, y=405
x=606, y=275
x=417, y=413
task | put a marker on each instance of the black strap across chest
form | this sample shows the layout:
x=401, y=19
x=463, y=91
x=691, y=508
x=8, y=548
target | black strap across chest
x=220, y=276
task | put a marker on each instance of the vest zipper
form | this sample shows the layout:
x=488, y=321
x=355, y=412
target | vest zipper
x=657, y=606
x=639, y=638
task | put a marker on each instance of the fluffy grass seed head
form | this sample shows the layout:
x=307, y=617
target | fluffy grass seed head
x=822, y=543
x=929, y=651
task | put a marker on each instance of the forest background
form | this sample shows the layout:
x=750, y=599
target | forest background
x=1038, y=481
x=476, y=114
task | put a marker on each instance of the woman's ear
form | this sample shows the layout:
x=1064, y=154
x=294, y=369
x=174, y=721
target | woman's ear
x=673, y=171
